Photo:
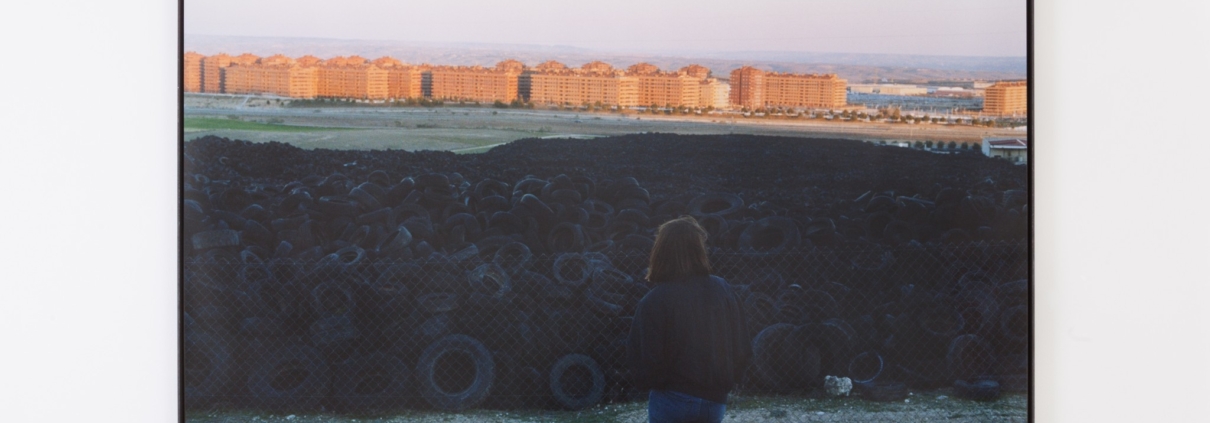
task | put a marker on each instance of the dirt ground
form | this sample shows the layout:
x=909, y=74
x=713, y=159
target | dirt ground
x=919, y=407
x=472, y=129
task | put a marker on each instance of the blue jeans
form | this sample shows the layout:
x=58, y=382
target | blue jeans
x=675, y=407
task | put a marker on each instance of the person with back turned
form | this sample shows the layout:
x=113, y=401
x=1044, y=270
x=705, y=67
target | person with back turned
x=687, y=341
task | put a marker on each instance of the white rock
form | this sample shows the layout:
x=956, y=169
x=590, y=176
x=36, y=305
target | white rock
x=837, y=386
x=290, y=417
x=942, y=397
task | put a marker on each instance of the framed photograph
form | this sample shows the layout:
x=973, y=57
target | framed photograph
x=414, y=210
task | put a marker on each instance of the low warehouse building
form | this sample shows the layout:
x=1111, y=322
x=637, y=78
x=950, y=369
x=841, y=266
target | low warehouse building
x=1015, y=150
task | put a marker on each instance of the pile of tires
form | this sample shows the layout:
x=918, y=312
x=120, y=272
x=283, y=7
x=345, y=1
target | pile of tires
x=362, y=281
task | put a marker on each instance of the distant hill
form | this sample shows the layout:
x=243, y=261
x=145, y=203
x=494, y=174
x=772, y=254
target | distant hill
x=854, y=67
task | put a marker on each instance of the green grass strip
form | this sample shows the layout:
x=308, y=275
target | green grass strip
x=211, y=124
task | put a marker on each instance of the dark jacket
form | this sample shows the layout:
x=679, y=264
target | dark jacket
x=688, y=336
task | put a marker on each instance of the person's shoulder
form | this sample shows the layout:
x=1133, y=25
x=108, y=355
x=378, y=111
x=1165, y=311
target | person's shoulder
x=718, y=280
x=657, y=293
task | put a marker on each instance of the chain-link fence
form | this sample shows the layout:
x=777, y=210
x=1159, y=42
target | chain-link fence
x=496, y=326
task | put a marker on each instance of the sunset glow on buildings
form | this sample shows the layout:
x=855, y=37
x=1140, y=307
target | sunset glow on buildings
x=548, y=83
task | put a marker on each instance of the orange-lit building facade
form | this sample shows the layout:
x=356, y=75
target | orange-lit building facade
x=747, y=87
x=277, y=75
x=754, y=88
x=403, y=80
x=681, y=88
x=475, y=83
x=193, y=72
x=212, y=81
x=595, y=82
x=804, y=90
x=351, y=77
x=551, y=82
x=714, y=93
x=1006, y=98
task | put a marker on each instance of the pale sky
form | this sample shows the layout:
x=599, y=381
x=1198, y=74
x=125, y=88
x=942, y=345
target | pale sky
x=927, y=27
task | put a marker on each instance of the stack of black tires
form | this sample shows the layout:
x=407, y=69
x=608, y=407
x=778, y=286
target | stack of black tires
x=361, y=289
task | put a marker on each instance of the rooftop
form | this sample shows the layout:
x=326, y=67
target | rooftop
x=1010, y=143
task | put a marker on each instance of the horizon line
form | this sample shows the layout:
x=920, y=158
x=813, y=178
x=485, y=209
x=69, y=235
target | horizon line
x=598, y=49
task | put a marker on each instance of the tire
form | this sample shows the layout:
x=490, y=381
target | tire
x=601, y=305
x=215, y=239
x=771, y=235
x=490, y=279
x=979, y=310
x=572, y=270
x=941, y=323
x=969, y=357
x=367, y=196
x=492, y=187
x=380, y=216
x=565, y=196
x=866, y=367
x=206, y=367
x=636, y=244
x=506, y=223
x=335, y=336
x=468, y=223
x=1014, y=324
x=255, y=274
x=295, y=377
x=433, y=373
x=335, y=205
x=716, y=203
x=773, y=351
x=332, y=298
x=636, y=216
x=342, y=259
x=977, y=390
x=437, y=302
x=566, y=238
x=395, y=242
x=538, y=209
x=837, y=343
x=759, y=310
x=577, y=382
x=715, y=226
x=531, y=283
x=513, y=257
x=373, y=382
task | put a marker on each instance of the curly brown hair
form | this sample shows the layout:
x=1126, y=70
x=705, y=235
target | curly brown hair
x=679, y=251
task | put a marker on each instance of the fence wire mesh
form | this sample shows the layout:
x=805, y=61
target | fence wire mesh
x=496, y=326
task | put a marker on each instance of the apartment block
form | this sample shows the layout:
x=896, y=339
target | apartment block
x=403, y=80
x=747, y=87
x=696, y=71
x=804, y=90
x=714, y=93
x=277, y=75
x=1006, y=98
x=755, y=88
x=213, y=67
x=474, y=83
x=193, y=72
x=212, y=81
x=351, y=77
x=668, y=88
x=596, y=82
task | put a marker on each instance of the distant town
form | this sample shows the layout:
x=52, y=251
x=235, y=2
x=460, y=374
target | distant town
x=597, y=85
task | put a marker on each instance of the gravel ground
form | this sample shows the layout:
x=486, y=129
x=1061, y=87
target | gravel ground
x=919, y=407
